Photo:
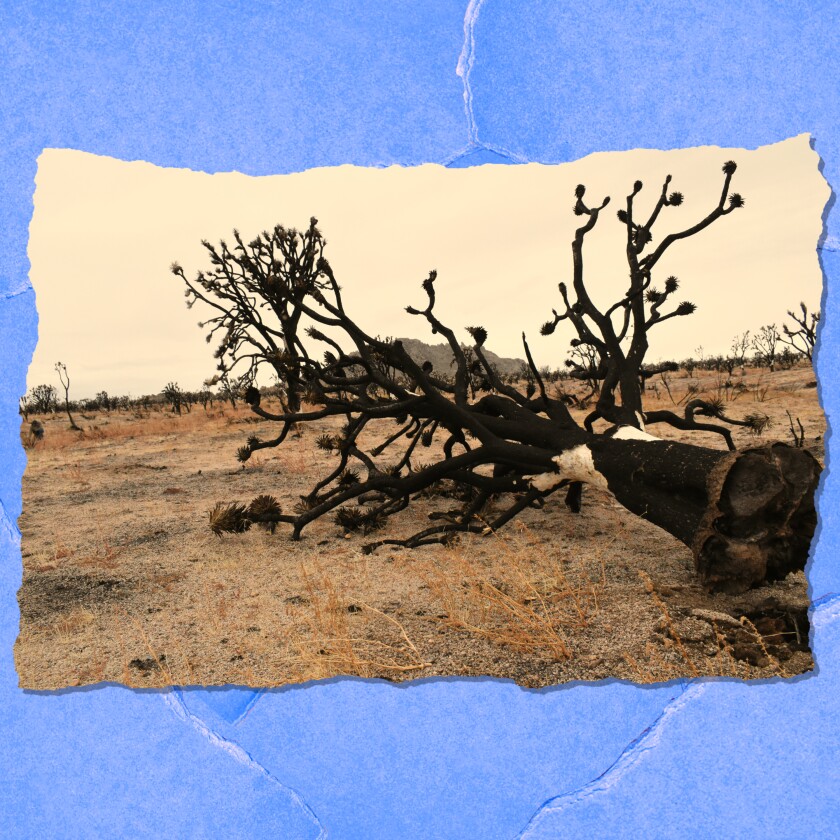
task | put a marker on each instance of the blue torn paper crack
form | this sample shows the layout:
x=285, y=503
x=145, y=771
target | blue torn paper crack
x=267, y=90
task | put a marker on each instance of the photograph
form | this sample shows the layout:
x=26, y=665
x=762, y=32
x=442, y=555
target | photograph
x=543, y=423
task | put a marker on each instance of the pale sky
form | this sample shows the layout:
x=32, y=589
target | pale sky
x=104, y=233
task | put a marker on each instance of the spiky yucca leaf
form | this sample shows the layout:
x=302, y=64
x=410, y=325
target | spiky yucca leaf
x=243, y=453
x=715, y=406
x=686, y=308
x=758, y=423
x=326, y=442
x=374, y=522
x=671, y=284
x=264, y=505
x=622, y=216
x=675, y=199
x=229, y=517
x=349, y=518
x=736, y=200
x=548, y=328
x=479, y=334
x=348, y=477
x=252, y=396
x=642, y=236
x=729, y=167
x=306, y=503
x=253, y=441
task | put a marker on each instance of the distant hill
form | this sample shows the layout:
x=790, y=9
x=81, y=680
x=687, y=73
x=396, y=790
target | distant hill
x=440, y=355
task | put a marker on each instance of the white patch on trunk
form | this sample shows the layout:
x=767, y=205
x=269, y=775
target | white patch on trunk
x=641, y=418
x=632, y=433
x=574, y=464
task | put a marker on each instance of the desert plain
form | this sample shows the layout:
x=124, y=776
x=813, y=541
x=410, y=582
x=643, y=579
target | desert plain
x=123, y=580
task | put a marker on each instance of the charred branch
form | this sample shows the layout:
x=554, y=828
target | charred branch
x=276, y=303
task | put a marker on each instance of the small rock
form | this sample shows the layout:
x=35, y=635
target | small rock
x=717, y=617
x=693, y=630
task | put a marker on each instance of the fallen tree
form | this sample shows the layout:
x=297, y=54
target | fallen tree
x=747, y=516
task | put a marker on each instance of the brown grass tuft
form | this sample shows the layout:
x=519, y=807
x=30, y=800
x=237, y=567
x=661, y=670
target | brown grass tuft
x=526, y=601
x=723, y=663
x=335, y=637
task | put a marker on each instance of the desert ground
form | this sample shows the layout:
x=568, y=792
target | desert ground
x=124, y=581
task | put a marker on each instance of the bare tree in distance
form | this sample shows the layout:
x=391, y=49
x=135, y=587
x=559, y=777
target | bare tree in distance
x=230, y=390
x=61, y=370
x=803, y=339
x=765, y=343
x=104, y=401
x=740, y=348
x=43, y=399
x=174, y=396
x=747, y=516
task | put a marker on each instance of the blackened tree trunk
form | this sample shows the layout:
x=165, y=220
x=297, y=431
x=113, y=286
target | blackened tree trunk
x=747, y=516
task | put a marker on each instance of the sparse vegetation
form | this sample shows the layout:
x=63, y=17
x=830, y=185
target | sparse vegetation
x=163, y=591
x=765, y=343
x=375, y=446
x=802, y=338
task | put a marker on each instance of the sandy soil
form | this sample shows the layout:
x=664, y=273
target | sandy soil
x=123, y=580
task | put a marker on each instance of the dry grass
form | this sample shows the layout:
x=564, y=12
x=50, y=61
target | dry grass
x=333, y=636
x=722, y=663
x=70, y=624
x=124, y=581
x=105, y=557
x=528, y=599
x=121, y=426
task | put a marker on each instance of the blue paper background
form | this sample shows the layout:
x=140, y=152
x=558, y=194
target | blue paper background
x=277, y=87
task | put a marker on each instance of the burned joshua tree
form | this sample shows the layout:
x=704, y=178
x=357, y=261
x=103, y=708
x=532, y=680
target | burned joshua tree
x=747, y=516
x=617, y=336
x=803, y=339
x=61, y=370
